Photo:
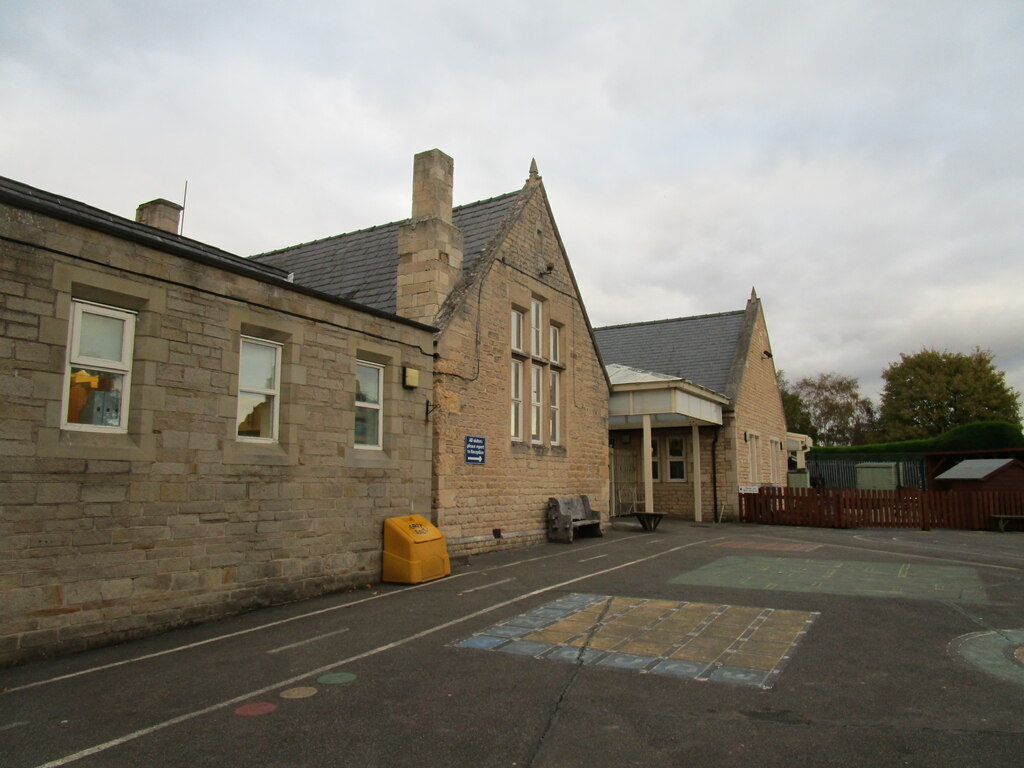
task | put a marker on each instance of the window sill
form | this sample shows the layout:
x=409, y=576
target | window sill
x=538, y=449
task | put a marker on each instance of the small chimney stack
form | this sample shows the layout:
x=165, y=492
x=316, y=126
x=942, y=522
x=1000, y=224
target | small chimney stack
x=429, y=245
x=433, y=175
x=161, y=214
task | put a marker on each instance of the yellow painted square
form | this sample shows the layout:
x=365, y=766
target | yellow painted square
x=778, y=636
x=662, y=605
x=663, y=636
x=751, y=661
x=644, y=648
x=703, y=609
x=616, y=629
x=774, y=651
x=598, y=643
x=696, y=654
x=547, y=636
x=571, y=625
x=634, y=619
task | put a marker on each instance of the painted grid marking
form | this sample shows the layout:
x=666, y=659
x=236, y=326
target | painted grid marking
x=841, y=577
x=698, y=641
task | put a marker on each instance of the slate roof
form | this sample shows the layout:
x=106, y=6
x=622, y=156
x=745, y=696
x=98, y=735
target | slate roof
x=700, y=348
x=362, y=266
x=974, y=469
x=66, y=209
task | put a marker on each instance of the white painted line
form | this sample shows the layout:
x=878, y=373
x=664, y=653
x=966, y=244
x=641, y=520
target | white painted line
x=327, y=668
x=487, y=586
x=307, y=640
x=228, y=636
x=595, y=557
x=12, y=726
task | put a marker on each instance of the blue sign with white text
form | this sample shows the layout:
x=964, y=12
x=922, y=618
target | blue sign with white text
x=476, y=449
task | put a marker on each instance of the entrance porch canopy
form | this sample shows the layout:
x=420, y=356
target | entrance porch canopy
x=667, y=401
x=644, y=400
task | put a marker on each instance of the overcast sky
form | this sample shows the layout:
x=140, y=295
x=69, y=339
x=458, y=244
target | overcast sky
x=859, y=163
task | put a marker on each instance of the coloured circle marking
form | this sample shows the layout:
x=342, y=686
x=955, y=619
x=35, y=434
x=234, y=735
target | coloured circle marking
x=336, y=678
x=301, y=692
x=256, y=708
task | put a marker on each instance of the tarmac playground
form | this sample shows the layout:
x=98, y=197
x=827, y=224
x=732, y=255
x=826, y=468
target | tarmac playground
x=709, y=644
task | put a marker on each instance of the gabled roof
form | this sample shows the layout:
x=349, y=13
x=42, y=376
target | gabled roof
x=975, y=469
x=700, y=348
x=362, y=266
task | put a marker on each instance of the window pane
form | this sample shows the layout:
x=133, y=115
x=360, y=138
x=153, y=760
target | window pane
x=675, y=447
x=101, y=337
x=95, y=397
x=255, y=415
x=367, y=426
x=258, y=366
x=676, y=470
x=517, y=329
x=367, y=384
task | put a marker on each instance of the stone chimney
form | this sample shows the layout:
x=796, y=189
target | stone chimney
x=429, y=245
x=160, y=213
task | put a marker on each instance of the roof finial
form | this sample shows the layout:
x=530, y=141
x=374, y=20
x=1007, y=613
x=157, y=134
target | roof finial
x=534, y=176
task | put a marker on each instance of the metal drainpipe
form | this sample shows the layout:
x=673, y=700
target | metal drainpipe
x=714, y=472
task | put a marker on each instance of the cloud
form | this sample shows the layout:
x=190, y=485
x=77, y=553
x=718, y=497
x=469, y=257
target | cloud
x=861, y=166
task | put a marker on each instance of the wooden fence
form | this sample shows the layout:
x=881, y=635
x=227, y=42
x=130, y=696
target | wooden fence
x=902, y=508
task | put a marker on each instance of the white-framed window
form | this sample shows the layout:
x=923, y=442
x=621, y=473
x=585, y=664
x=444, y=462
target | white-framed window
x=536, y=326
x=369, y=405
x=536, y=386
x=555, y=420
x=259, y=389
x=655, y=460
x=675, y=458
x=554, y=344
x=98, y=375
x=517, y=400
x=517, y=330
x=754, y=453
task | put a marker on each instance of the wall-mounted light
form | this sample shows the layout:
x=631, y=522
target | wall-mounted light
x=766, y=355
x=410, y=378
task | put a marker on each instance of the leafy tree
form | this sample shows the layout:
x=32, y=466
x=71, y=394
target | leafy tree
x=839, y=415
x=931, y=392
x=797, y=417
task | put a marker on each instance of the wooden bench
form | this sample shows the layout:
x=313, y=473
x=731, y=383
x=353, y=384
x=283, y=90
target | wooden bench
x=571, y=516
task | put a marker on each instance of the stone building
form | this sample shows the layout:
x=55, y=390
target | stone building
x=519, y=400
x=695, y=415
x=186, y=433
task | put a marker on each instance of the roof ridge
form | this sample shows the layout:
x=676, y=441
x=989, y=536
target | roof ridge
x=364, y=230
x=670, y=320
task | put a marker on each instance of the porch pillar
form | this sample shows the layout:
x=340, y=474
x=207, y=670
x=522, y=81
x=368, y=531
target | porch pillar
x=697, y=510
x=648, y=467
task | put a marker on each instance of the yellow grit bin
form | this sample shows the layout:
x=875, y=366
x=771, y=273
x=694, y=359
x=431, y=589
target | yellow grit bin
x=414, y=550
